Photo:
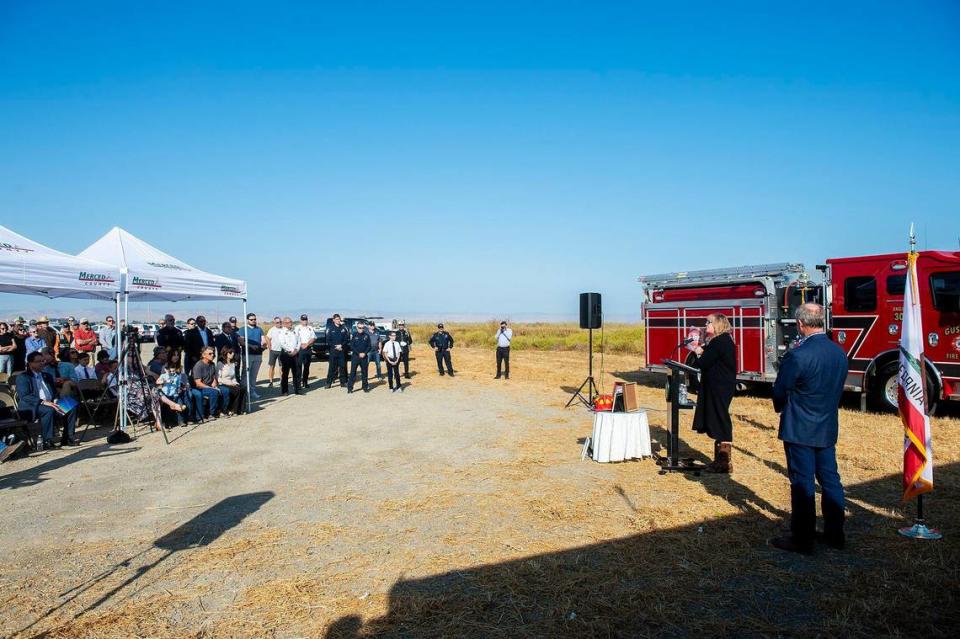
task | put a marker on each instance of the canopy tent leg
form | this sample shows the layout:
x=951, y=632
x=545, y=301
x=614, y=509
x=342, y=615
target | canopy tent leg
x=246, y=356
x=123, y=366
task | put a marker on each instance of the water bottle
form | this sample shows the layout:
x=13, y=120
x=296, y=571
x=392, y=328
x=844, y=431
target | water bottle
x=683, y=394
x=39, y=444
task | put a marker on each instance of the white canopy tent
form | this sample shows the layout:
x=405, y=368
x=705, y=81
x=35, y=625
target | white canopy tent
x=29, y=268
x=149, y=274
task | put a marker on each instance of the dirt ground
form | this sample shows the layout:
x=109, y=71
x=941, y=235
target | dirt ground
x=460, y=508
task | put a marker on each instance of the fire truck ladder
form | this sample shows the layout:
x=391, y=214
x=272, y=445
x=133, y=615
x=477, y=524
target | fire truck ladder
x=778, y=271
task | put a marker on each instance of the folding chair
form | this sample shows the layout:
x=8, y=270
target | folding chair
x=14, y=422
x=94, y=395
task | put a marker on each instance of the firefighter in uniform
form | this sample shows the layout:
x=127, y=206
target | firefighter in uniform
x=406, y=341
x=337, y=339
x=359, y=351
x=442, y=342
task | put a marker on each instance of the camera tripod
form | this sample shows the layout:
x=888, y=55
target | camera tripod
x=131, y=362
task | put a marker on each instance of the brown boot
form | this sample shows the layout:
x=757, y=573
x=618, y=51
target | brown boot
x=721, y=460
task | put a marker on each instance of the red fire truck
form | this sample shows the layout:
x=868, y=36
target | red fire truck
x=863, y=299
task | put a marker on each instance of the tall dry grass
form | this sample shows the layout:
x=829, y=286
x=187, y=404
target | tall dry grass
x=616, y=338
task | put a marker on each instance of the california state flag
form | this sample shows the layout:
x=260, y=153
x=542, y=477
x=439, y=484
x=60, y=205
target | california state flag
x=917, y=441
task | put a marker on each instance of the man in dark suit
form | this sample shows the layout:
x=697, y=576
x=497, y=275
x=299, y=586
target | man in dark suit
x=807, y=395
x=194, y=341
x=36, y=393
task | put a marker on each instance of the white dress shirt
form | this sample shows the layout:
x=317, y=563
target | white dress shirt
x=42, y=389
x=504, y=337
x=287, y=339
x=305, y=333
x=392, y=350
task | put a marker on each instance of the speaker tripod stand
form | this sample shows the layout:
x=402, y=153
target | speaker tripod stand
x=588, y=384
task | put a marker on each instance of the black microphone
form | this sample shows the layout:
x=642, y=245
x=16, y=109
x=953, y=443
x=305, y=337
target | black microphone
x=689, y=340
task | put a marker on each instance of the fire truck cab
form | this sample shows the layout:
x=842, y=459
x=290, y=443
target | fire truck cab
x=863, y=300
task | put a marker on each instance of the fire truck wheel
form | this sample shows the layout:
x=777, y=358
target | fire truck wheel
x=883, y=390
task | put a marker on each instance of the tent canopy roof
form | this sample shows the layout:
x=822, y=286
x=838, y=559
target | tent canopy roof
x=149, y=274
x=29, y=268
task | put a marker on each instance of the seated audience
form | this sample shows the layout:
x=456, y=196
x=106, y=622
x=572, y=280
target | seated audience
x=227, y=377
x=36, y=399
x=214, y=399
x=176, y=393
x=83, y=369
x=159, y=361
x=103, y=364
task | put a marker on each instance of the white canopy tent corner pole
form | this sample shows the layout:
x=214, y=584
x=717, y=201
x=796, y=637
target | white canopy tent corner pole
x=246, y=356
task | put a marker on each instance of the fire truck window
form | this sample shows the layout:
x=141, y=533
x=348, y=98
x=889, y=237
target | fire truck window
x=945, y=288
x=896, y=284
x=860, y=294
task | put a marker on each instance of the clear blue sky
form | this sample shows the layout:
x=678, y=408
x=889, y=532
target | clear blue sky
x=497, y=158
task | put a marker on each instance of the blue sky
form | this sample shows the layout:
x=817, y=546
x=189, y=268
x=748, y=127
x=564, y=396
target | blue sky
x=491, y=159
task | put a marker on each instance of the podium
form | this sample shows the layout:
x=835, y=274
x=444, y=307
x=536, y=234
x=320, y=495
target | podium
x=678, y=400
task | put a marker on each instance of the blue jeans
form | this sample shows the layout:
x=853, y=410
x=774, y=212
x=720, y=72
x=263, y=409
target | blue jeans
x=374, y=357
x=804, y=464
x=215, y=401
x=6, y=364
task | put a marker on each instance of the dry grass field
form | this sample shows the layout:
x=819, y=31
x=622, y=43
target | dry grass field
x=616, y=338
x=482, y=523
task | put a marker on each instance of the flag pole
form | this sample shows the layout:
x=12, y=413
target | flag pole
x=919, y=529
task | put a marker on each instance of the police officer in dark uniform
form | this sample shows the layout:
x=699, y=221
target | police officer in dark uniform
x=442, y=342
x=359, y=351
x=406, y=341
x=338, y=337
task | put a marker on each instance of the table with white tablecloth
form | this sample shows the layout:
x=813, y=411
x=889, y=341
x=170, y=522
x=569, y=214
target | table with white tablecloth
x=620, y=436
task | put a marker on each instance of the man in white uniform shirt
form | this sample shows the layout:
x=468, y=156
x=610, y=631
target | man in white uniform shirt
x=504, y=336
x=289, y=343
x=307, y=337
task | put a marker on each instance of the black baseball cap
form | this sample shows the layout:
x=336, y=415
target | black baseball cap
x=304, y=316
x=439, y=325
x=233, y=319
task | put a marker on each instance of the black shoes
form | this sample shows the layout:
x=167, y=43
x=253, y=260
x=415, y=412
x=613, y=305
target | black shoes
x=301, y=392
x=791, y=545
x=69, y=442
x=442, y=373
x=833, y=541
x=497, y=377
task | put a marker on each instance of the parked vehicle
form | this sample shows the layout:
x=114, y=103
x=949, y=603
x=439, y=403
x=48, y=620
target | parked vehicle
x=863, y=300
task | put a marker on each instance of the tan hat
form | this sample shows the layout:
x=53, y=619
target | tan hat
x=43, y=320
x=83, y=320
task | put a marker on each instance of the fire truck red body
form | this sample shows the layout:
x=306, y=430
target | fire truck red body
x=863, y=298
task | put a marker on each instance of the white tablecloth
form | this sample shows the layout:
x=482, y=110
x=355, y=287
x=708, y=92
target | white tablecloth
x=620, y=436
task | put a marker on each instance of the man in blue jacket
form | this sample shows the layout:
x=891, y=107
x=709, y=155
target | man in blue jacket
x=36, y=393
x=338, y=339
x=807, y=395
x=359, y=352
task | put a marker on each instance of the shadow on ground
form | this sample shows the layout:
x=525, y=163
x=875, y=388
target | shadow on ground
x=716, y=578
x=201, y=530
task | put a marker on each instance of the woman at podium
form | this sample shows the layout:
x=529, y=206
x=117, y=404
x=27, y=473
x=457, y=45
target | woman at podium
x=717, y=361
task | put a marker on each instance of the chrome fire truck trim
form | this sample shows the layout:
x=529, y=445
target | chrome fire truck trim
x=721, y=275
x=751, y=302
